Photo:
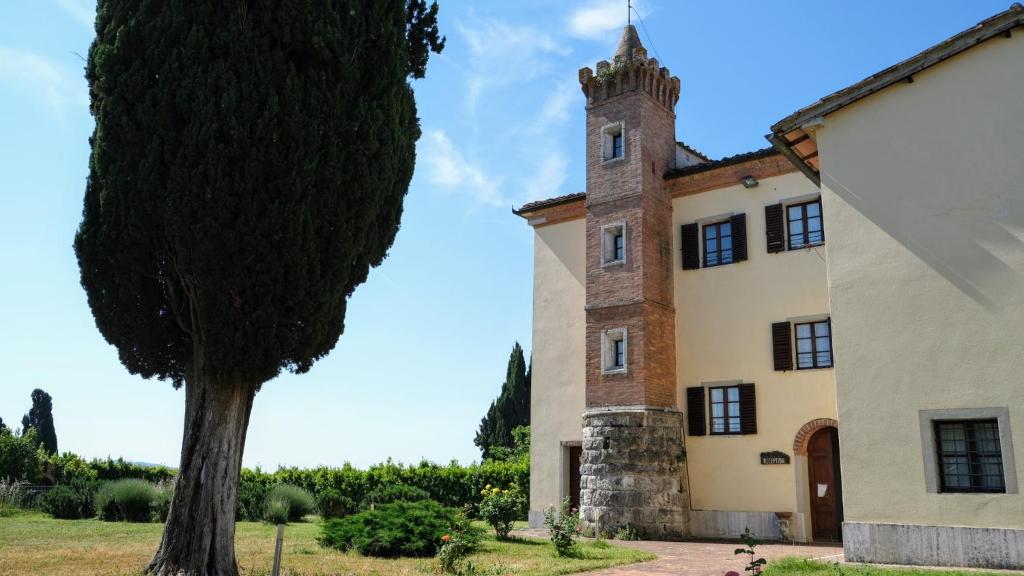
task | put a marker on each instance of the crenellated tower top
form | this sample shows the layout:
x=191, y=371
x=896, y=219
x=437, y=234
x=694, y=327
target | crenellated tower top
x=630, y=70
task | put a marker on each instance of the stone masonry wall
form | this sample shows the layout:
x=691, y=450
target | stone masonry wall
x=632, y=473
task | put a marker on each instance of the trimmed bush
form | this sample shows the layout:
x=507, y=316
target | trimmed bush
x=70, y=501
x=334, y=504
x=276, y=512
x=295, y=501
x=388, y=493
x=252, y=497
x=391, y=530
x=126, y=500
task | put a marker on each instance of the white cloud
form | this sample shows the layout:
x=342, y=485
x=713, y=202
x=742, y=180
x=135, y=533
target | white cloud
x=448, y=168
x=42, y=79
x=550, y=172
x=82, y=10
x=598, y=18
x=501, y=54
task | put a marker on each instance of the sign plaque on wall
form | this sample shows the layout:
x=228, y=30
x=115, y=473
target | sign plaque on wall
x=774, y=457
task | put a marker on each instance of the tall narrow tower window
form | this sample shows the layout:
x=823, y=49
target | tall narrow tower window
x=613, y=346
x=613, y=244
x=613, y=142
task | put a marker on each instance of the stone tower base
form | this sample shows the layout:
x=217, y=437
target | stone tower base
x=632, y=472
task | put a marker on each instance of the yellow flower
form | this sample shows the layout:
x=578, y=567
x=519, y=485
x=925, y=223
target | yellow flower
x=495, y=491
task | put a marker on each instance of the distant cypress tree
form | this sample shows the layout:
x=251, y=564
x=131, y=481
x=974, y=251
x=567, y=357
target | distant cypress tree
x=510, y=409
x=3, y=427
x=40, y=419
x=249, y=166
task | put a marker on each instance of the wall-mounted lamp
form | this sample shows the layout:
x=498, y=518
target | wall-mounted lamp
x=748, y=181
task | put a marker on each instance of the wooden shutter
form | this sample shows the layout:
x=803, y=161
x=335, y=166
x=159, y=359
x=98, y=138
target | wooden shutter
x=774, y=228
x=748, y=409
x=739, y=237
x=691, y=247
x=782, y=346
x=695, y=416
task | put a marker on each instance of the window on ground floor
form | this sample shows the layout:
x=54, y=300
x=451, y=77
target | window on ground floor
x=969, y=455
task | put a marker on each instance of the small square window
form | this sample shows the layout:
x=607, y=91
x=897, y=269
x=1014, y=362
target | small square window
x=805, y=225
x=613, y=142
x=717, y=244
x=613, y=244
x=813, y=345
x=614, y=347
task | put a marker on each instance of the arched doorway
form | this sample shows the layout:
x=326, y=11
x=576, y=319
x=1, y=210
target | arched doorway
x=826, y=485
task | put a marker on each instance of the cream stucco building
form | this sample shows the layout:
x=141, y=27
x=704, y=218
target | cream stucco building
x=820, y=340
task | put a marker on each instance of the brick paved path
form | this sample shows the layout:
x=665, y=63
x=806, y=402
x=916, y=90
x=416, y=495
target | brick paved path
x=702, y=558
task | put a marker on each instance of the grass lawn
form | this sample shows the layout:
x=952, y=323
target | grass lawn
x=804, y=567
x=32, y=543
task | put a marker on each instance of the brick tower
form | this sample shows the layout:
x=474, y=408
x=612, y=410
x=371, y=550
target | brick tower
x=633, y=460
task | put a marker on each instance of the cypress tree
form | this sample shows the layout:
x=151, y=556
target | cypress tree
x=3, y=427
x=248, y=168
x=40, y=419
x=510, y=409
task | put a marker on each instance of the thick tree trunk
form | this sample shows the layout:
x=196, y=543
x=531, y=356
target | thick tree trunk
x=199, y=538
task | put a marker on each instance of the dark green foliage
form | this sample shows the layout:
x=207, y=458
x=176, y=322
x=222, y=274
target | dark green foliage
x=391, y=530
x=66, y=468
x=333, y=504
x=70, y=501
x=119, y=470
x=252, y=495
x=509, y=410
x=562, y=528
x=248, y=169
x=19, y=457
x=296, y=501
x=3, y=427
x=452, y=485
x=126, y=500
x=387, y=493
x=40, y=419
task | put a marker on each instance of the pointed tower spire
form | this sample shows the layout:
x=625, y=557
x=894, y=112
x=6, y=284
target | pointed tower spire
x=630, y=47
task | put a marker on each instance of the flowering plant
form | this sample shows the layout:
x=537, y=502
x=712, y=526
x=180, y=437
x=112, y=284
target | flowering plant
x=460, y=542
x=499, y=507
x=563, y=528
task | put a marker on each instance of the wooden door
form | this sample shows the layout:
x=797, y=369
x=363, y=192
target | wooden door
x=575, y=454
x=825, y=485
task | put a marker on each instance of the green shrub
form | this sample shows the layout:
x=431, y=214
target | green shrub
x=252, y=497
x=119, y=470
x=19, y=456
x=276, y=512
x=130, y=500
x=388, y=493
x=161, y=505
x=562, y=528
x=391, y=530
x=299, y=502
x=334, y=504
x=500, y=508
x=70, y=501
x=462, y=540
x=66, y=468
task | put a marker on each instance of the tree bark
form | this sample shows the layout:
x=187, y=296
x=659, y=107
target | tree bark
x=199, y=537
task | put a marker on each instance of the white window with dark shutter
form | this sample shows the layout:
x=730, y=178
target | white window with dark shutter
x=811, y=338
x=794, y=224
x=721, y=240
x=731, y=410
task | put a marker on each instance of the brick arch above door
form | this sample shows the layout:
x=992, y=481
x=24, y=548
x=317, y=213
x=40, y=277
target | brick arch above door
x=803, y=436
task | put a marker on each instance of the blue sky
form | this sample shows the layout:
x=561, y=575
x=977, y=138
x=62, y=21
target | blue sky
x=428, y=335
